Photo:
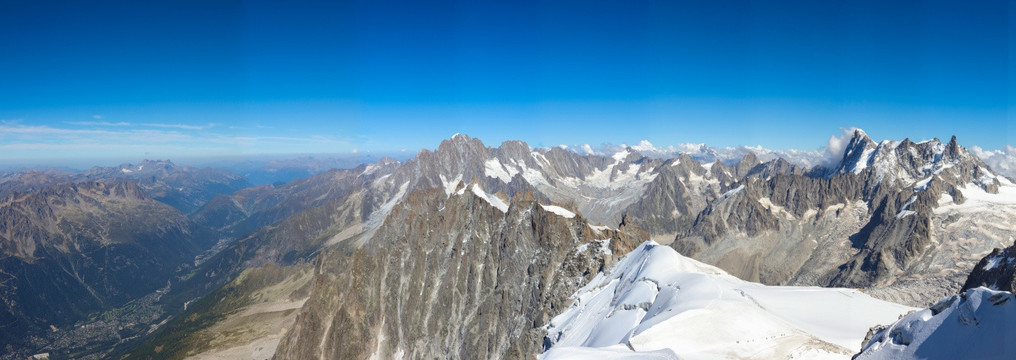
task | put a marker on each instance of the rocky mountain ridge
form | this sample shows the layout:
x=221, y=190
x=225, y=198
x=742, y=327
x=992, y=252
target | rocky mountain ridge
x=73, y=249
x=182, y=187
x=451, y=275
x=892, y=218
x=751, y=199
x=868, y=223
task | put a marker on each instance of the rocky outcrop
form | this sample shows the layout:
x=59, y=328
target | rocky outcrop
x=451, y=277
x=672, y=201
x=997, y=271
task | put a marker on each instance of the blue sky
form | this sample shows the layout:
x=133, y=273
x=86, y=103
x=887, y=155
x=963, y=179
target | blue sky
x=127, y=80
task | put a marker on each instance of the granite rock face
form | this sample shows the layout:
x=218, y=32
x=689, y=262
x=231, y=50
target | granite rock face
x=865, y=223
x=451, y=277
x=997, y=271
x=883, y=197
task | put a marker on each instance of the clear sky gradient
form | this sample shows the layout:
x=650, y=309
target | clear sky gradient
x=133, y=79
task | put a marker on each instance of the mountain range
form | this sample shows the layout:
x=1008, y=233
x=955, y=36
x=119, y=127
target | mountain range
x=470, y=251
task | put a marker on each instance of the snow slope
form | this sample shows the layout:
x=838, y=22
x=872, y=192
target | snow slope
x=978, y=200
x=558, y=210
x=491, y=198
x=974, y=325
x=657, y=303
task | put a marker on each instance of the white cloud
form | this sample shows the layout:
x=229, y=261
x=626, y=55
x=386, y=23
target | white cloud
x=97, y=123
x=19, y=142
x=646, y=148
x=1002, y=161
x=691, y=148
x=588, y=149
x=837, y=144
x=180, y=126
x=97, y=117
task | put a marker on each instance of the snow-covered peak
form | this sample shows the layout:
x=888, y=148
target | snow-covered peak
x=657, y=302
x=621, y=155
x=459, y=141
x=976, y=324
x=385, y=160
x=858, y=154
x=912, y=164
x=1002, y=161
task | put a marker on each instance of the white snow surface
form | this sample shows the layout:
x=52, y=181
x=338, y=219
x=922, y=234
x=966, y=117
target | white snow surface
x=558, y=210
x=493, y=168
x=923, y=184
x=659, y=304
x=995, y=261
x=978, y=200
x=491, y=199
x=903, y=211
x=863, y=161
x=449, y=185
x=604, y=246
x=733, y=191
x=633, y=178
x=977, y=324
x=601, y=228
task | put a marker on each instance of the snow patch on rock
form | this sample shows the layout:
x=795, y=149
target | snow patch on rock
x=491, y=199
x=558, y=210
